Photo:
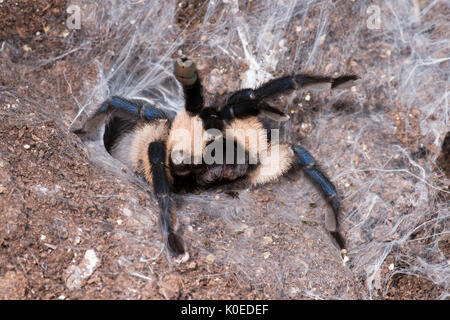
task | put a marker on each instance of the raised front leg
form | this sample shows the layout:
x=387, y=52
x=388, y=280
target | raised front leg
x=127, y=112
x=301, y=81
x=174, y=243
x=249, y=102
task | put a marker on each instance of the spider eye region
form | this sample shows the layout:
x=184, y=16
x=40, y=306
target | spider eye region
x=150, y=113
x=179, y=156
x=157, y=152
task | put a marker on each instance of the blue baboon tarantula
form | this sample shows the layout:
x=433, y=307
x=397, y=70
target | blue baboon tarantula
x=145, y=140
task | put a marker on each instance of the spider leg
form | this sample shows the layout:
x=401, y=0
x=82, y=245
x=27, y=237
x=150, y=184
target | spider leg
x=307, y=163
x=157, y=153
x=186, y=73
x=304, y=81
x=248, y=102
x=122, y=108
x=120, y=116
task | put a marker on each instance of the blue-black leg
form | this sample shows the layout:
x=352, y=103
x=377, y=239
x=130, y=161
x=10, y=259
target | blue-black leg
x=157, y=154
x=122, y=116
x=306, y=161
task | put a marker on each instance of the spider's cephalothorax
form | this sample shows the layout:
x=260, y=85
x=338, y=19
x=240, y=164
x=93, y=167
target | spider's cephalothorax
x=209, y=145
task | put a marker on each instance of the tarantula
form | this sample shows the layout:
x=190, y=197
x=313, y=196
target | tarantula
x=189, y=150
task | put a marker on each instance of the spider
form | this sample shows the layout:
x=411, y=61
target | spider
x=189, y=150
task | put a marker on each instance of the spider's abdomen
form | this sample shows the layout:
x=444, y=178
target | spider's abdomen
x=207, y=157
x=131, y=148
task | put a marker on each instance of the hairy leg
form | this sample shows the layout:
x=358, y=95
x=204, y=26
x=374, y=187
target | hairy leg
x=157, y=154
x=308, y=165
